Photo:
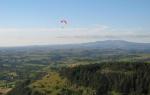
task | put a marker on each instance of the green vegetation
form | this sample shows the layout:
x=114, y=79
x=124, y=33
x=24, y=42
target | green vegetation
x=121, y=78
x=21, y=64
x=74, y=71
x=125, y=78
x=51, y=84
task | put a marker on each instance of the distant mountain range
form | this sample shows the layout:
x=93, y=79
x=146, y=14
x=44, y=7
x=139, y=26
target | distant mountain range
x=118, y=44
x=108, y=44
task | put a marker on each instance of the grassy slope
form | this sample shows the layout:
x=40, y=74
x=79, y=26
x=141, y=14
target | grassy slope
x=52, y=84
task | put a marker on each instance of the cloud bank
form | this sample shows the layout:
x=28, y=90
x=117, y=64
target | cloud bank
x=40, y=36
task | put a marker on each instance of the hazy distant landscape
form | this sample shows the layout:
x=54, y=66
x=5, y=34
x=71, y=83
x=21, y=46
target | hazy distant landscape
x=77, y=69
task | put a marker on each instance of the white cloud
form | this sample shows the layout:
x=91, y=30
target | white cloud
x=37, y=36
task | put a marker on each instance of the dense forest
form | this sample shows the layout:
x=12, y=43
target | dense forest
x=125, y=78
x=112, y=78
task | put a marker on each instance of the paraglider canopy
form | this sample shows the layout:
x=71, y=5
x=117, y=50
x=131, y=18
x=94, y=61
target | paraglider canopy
x=63, y=23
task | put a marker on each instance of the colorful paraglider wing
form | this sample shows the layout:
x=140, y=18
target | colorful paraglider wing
x=63, y=21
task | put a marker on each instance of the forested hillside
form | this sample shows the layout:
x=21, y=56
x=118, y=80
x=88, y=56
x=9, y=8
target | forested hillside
x=125, y=78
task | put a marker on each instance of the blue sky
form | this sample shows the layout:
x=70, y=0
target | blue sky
x=38, y=21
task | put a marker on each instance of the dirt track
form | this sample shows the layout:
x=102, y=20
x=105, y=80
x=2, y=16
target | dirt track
x=3, y=91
